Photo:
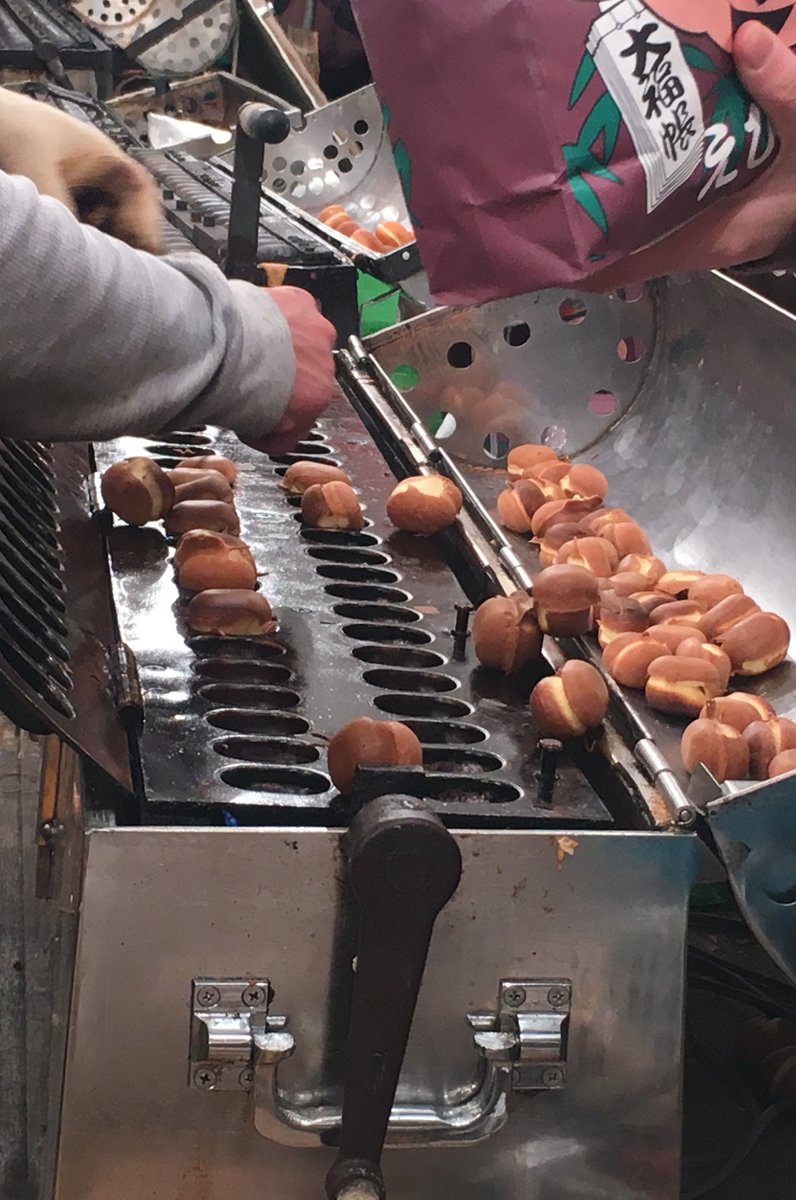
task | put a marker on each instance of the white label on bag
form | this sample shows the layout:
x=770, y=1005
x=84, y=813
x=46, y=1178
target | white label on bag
x=641, y=60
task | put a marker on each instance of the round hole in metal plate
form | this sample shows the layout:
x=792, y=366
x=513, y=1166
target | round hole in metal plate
x=330, y=152
x=249, y=695
x=279, y=185
x=404, y=376
x=450, y=790
x=449, y=761
x=298, y=190
x=365, y=591
x=355, y=574
x=631, y=349
x=344, y=554
x=602, y=403
x=517, y=335
x=345, y=165
x=241, y=670
x=361, y=127
x=417, y=682
x=437, y=707
x=276, y=780
x=381, y=613
x=446, y=733
x=496, y=445
x=460, y=355
x=399, y=656
x=339, y=537
x=279, y=751
x=630, y=294
x=554, y=436
x=248, y=720
x=298, y=167
x=388, y=635
x=279, y=163
x=236, y=647
x=441, y=425
x=572, y=312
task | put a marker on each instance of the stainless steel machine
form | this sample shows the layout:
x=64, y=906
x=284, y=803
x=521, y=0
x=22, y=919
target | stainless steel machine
x=478, y=963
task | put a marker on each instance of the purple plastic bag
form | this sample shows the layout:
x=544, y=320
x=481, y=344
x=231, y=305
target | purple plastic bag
x=540, y=140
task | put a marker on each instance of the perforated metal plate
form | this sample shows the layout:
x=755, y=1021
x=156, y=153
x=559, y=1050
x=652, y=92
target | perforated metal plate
x=552, y=367
x=168, y=37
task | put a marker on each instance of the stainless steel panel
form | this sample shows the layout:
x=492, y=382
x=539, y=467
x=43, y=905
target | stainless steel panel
x=164, y=906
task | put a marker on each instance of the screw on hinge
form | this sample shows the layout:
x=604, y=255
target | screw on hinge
x=553, y=1077
x=208, y=997
x=557, y=997
x=252, y=997
x=205, y=1078
x=246, y=1078
x=514, y=997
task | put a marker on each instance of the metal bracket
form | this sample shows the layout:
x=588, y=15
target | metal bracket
x=226, y=1016
x=528, y=1030
x=237, y=1046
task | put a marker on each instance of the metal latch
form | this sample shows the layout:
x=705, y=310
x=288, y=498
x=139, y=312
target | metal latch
x=529, y=1030
x=226, y=1017
x=237, y=1046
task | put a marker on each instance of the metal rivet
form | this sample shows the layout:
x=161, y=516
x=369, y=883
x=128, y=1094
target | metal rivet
x=514, y=997
x=208, y=997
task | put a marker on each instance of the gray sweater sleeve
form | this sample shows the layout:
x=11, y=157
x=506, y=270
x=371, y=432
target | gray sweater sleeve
x=98, y=340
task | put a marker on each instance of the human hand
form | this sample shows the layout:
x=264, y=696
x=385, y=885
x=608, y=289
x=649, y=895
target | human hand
x=313, y=340
x=753, y=224
x=74, y=163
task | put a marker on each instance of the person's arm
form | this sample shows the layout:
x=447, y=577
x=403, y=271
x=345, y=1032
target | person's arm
x=98, y=340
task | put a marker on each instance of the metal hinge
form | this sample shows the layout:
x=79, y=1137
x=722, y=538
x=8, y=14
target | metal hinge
x=528, y=1030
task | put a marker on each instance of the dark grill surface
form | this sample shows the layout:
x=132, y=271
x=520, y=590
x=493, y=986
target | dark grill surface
x=239, y=726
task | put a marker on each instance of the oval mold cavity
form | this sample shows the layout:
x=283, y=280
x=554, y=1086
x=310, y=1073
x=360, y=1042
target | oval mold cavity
x=417, y=682
x=398, y=656
x=354, y=574
x=249, y=695
x=235, y=647
x=446, y=733
x=248, y=720
x=276, y=780
x=241, y=670
x=402, y=705
x=367, y=591
x=450, y=761
x=283, y=752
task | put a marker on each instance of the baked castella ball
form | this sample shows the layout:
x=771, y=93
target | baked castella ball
x=368, y=743
x=137, y=490
x=206, y=560
x=506, y=633
x=230, y=612
x=424, y=504
x=331, y=506
x=720, y=748
x=211, y=462
x=564, y=598
x=301, y=475
x=215, y=515
x=568, y=703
